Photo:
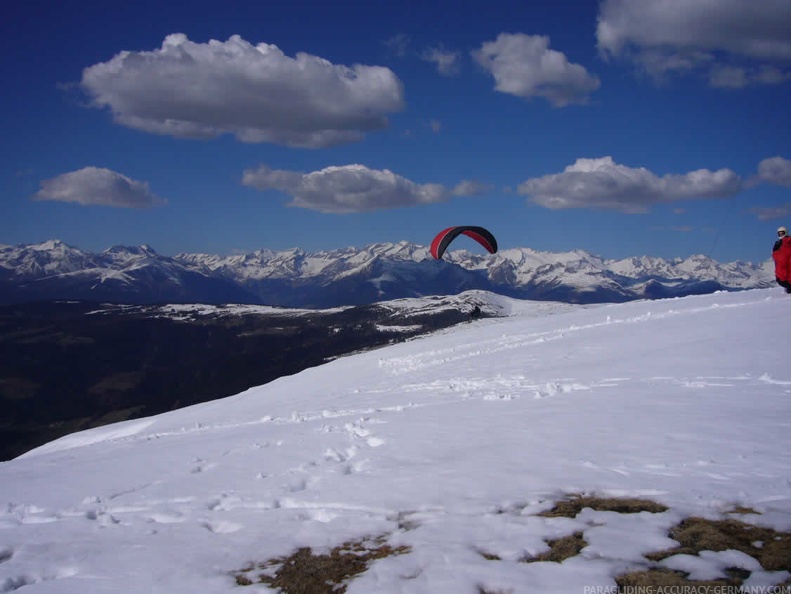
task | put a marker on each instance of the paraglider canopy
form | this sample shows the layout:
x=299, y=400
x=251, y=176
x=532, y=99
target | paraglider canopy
x=445, y=237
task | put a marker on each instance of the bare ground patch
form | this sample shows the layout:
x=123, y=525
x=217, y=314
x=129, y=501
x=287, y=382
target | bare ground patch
x=627, y=505
x=304, y=572
x=489, y=556
x=741, y=510
x=655, y=580
x=772, y=549
x=561, y=549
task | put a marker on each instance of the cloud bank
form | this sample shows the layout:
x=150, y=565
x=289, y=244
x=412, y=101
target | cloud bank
x=352, y=188
x=602, y=183
x=255, y=92
x=733, y=43
x=94, y=186
x=523, y=65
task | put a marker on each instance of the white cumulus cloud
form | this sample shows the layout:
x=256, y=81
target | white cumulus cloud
x=525, y=66
x=352, y=188
x=255, y=92
x=775, y=170
x=734, y=43
x=603, y=183
x=99, y=187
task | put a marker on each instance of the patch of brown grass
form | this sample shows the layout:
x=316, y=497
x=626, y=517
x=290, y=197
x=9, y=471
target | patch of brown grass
x=561, y=549
x=655, y=580
x=304, y=572
x=698, y=534
x=772, y=549
x=631, y=505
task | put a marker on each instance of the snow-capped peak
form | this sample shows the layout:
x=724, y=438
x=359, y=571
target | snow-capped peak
x=352, y=276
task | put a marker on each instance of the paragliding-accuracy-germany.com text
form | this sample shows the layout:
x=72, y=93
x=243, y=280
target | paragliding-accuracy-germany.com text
x=688, y=589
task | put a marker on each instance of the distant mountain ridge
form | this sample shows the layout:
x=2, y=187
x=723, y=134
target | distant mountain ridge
x=354, y=276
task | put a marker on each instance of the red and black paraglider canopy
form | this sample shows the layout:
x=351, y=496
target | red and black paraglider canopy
x=445, y=237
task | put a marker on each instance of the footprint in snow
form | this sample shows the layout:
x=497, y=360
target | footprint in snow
x=340, y=456
x=199, y=465
x=357, y=431
x=222, y=527
x=166, y=518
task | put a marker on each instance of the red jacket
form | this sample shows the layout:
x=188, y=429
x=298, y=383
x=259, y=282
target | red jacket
x=782, y=257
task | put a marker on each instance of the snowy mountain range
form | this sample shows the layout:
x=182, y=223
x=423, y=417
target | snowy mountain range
x=354, y=276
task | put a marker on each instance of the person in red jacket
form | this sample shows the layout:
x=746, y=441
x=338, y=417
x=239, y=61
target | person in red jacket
x=781, y=253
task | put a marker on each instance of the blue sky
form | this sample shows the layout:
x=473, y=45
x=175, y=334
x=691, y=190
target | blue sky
x=622, y=128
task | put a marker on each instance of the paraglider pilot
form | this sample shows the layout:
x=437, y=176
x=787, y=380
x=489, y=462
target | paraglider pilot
x=781, y=253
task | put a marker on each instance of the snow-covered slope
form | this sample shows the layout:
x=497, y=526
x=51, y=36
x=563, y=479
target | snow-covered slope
x=449, y=445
